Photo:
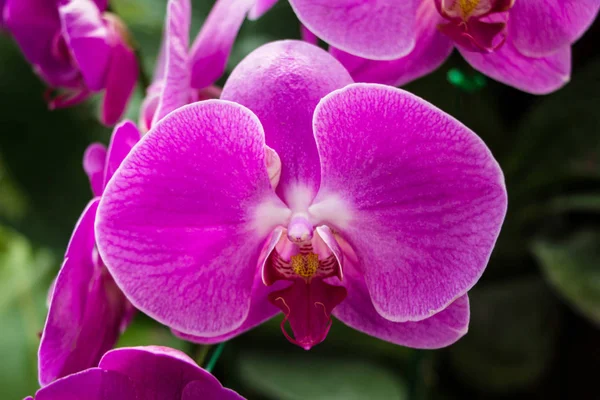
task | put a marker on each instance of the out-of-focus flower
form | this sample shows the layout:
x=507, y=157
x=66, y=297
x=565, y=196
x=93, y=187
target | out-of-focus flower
x=87, y=311
x=524, y=44
x=366, y=202
x=76, y=48
x=139, y=373
x=183, y=74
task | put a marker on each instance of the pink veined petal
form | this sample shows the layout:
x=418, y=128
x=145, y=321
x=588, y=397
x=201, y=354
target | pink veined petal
x=374, y=29
x=198, y=390
x=439, y=330
x=432, y=48
x=418, y=196
x=124, y=137
x=94, y=160
x=212, y=46
x=261, y=308
x=121, y=77
x=87, y=37
x=35, y=26
x=260, y=8
x=85, y=310
x=542, y=27
x=91, y=384
x=533, y=75
x=101, y=4
x=176, y=90
x=289, y=78
x=159, y=372
x=182, y=222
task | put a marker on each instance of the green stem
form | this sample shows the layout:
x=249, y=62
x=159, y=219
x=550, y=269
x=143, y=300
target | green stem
x=215, y=357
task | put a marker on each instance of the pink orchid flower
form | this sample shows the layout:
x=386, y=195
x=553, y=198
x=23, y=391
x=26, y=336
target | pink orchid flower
x=304, y=193
x=87, y=311
x=525, y=44
x=130, y=373
x=77, y=48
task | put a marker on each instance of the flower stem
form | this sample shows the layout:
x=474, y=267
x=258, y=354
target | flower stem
x=215, y=357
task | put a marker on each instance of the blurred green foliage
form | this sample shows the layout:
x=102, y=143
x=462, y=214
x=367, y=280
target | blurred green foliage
x=534, y=324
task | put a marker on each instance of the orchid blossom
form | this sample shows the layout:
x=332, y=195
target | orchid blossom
x=77, y=48
x=313, y=196
x=87, y=311
x=525, y=44
x=185, y=75
x=139, y=373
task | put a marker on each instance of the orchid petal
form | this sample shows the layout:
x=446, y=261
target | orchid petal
x=124, y=137
x=374, y=29
x=87, y=37
x=289, y=77
x=85, y=310
x=439, y=330
x=176, y=91
x=211, y=48
x=35, y=25
x=91, y=384
x=432, y=48
x=159, y=372
x=94, y=161
x=260, y=8
x=532, y=75
x=182, y=221
x=198, y=390
x=121, y=77
x=542, y=27
x=417, y=195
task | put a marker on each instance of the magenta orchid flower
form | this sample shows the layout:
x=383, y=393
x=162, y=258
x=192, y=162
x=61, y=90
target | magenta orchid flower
x=304, y=193
x=139, y=373
x=87, y=311
x=77, y=48
x=523, y=44
x=185, y=75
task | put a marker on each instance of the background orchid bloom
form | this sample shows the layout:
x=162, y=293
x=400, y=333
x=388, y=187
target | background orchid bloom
x=384, y=214
x=76, y=48
x=523, y=44
x=87, y=311
x=139, y=373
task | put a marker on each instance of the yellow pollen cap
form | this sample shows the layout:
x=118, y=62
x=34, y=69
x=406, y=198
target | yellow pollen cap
x=468, y=6
x=305, y=265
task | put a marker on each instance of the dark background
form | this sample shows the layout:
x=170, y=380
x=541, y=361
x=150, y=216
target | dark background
x=534, y=330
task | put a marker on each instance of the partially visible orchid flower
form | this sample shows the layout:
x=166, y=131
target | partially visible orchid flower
x=78, y=49
x=139, y=373
x=87, y=312
x=304, y=193
x=185, y=75
x=2, y=14
x=525, y=44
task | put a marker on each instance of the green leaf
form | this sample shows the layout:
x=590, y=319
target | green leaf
x=301, y=377
x=512, y=333
x=576, y=203
x=573, y=268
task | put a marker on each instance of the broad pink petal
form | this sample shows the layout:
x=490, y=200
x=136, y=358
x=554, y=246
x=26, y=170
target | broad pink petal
x=160, y=372
x=533, y=75
x=199, y=390
x=432, y=48
x=85, y=312
x=260, y=8
x=374, y=29
x=211, y=48
x=417, y=195
x=439, y=330
x=121, y=77
x=87, y=37
x=182, y=222
x=176, y=90
x=94, y=161
x=542, y=27
x=91, y=384
x=282, y=83
x=124, y=137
